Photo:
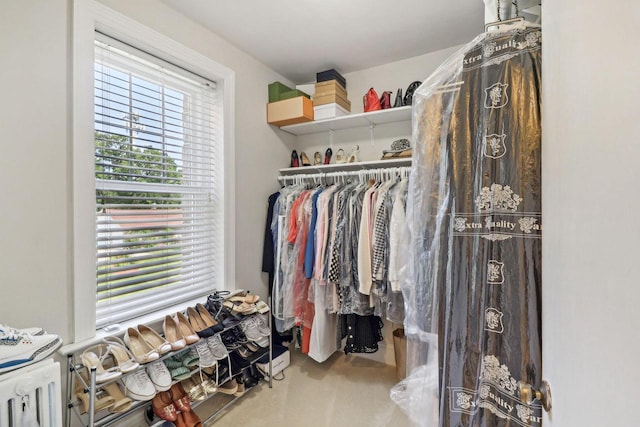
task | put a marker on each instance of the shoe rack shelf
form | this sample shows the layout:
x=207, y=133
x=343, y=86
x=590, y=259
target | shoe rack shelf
x=95, y=419
x=350, y=121
x=339, y=167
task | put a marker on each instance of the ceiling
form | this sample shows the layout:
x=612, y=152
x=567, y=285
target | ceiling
x=298, y=38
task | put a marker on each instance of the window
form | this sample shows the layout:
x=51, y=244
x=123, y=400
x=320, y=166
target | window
x=159, y=183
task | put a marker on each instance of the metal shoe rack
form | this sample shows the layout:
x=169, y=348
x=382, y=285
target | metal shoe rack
x=90, y=420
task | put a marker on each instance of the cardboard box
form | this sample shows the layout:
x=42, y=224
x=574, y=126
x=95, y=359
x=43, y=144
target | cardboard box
x=290, y=111
x=275, y=89
x=291, y=94
x=331, y=90
x=332, y=84
x=330, y=99
x=328, y=111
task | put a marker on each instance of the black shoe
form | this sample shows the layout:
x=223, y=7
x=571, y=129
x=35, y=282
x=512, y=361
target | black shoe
x=255, y=373
x=249, y=381
x=237, y=363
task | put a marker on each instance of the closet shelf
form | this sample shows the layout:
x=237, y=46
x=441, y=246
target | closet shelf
x=390, y=115
x=339, y=167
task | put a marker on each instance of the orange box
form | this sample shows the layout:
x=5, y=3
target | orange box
x=290, y=111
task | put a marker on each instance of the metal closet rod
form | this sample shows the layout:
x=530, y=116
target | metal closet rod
x=364, y=173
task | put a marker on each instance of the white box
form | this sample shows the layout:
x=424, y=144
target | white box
x=328, y=111
x=277, y=364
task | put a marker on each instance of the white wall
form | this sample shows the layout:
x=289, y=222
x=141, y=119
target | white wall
x=35, y=222
x=590, y=175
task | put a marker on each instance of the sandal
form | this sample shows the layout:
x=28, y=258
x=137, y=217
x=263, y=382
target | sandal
x=195, y=391
x=244, y=296
x=176, y=368
x=262, y=307
x=122, y=403
x=189, y=357
x=82, y=393
x=121, y=354
x=93, y=357
x=353, y=157
x=240, y=308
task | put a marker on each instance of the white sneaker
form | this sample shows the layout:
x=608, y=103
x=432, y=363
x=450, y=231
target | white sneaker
x=218, y=350
x=206, y=357
x=263, y=324
x=139, y=386
x=159, y=376
x=30, y=331
x=21, y=349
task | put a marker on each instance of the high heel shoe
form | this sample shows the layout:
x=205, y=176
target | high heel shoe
x=124, y=359
x=154, y=339
x=353, y=157
x=93, y=357
x=295, y=162
x=341, y=157
x=327, y=156
x=208, y=319
x=317, y=158
x=185, y=329
x=121, y=402
x=172, y=333
x=142, y=350
x=304, y=159
x=197, y=323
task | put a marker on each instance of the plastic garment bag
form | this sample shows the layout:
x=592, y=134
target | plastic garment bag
x=471, y=279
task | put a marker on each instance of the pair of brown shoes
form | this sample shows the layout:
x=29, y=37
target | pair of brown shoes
x=166, y=405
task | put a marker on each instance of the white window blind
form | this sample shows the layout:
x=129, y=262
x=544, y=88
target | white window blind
x=159, y=189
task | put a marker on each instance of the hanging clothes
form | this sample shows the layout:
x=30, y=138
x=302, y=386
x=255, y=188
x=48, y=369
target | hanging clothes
x=317, y=251
x=472, y=278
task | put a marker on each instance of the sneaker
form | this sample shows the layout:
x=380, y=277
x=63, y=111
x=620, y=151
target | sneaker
x=217, y=347
x=204, y=353
x=159, y=376
x=139, y=386
x=263, y=342
x=263, y=324
x=21, y=349
x=251, y=329
x=30, y=331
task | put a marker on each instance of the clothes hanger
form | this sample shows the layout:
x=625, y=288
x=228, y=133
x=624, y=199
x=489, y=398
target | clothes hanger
x=517, y=21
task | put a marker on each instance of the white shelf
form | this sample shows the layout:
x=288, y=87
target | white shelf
x=338, y=167
x=390, y=115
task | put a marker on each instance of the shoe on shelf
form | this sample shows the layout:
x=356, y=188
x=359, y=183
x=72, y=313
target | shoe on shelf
x=304, y=159
x=180, y=397
x=341, y=157
x=177, y=370
x=217, y=347
x=249, y=380
x=159, y=375
x=317, y=158
x=327, y=156
x=295, y=162
x=230, y=387
x=21, y=349
x=172, y=334
x=204, y=382
x=163, y=406
x=186, y=329
x=139, y=386
x=121, y=402
x=195, y=390
x=208, y=319
x=197, y=323
x=240, y=391
x=191, y=419
x=204, y=353
x=244, y=352
x=262, y=307
x=255, y=373
x=244, y=296
x=188, y=357
x=251, y=329
x=121, y=355
x=353, y=157
x=81, y=391
x=263, y=342
x=154, y=339
x=142, y=350
x=263, y=324
x=94, y=357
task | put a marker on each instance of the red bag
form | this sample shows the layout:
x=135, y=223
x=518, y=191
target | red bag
x=371, y=101
x=385, y=100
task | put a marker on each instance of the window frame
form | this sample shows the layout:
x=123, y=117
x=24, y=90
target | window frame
x=90, y=16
